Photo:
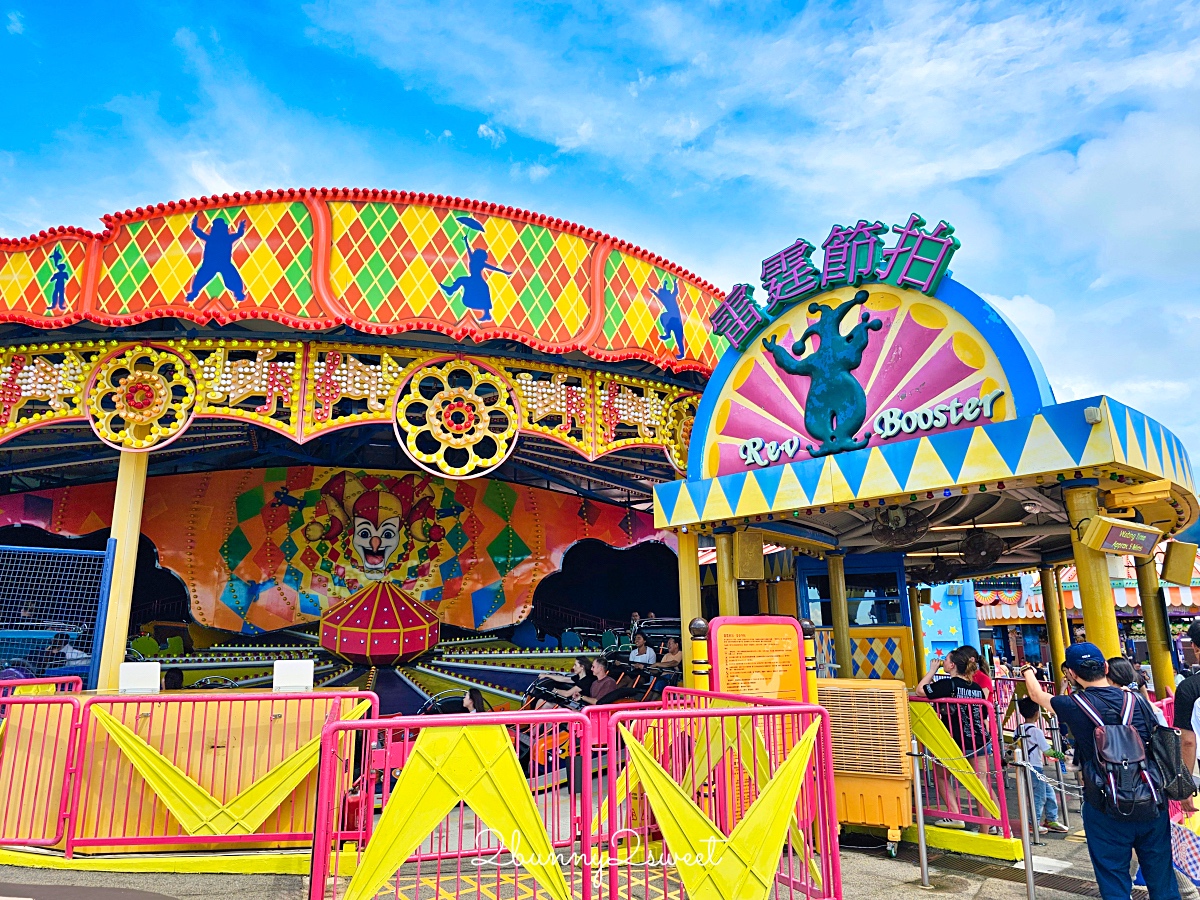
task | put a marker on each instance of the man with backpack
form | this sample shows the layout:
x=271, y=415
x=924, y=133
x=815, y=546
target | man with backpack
x=1124, y=807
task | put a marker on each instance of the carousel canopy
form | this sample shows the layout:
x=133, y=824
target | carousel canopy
x=359, y=327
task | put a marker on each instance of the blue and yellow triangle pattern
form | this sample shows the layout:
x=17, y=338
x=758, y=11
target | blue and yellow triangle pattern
x=1057, y=439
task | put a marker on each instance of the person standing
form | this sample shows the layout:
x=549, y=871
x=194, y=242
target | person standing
x=965, y=722
x=1111, y=839
x=1045, y=804
x=1186, y=694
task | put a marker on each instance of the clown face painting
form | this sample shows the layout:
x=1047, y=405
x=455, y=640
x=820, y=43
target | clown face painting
x=375, y=544
x=376, y=521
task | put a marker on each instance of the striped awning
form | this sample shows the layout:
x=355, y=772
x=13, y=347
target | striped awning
x=1024, y=606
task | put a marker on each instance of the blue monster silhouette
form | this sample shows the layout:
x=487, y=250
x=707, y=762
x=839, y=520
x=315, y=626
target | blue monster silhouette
x=218, y=258
x=837, y=403
x=476, y=294
x=671, y=321
x=58, y=299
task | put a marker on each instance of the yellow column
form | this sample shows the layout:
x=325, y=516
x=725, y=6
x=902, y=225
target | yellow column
x=127, y=529
x=727, y=589
x=1053, y=616
x=773, y=597
x=810, y=658
x=1158, y=630
x=918, y=627
x=840, y=612
x=689, y=598
x=785, y=599
x=764, y=599
x=1068, y=638
x=1095, y=589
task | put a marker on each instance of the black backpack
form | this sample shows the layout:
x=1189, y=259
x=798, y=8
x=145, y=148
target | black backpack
x=1121, y=781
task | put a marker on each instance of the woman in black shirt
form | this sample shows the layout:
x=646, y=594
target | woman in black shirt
x=965, y=721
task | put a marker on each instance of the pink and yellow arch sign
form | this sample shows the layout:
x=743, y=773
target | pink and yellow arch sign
x=925, y=368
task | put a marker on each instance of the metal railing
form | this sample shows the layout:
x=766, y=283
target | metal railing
x=38, y=740
x=509, y=803
x=962, y=784
x=221, y=745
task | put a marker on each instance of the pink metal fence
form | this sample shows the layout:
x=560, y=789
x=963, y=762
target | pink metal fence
x=361, y=763
x=37, y=765
x=67, y=684
x=605, y=838
x=974, y=725
x=1003, y=690
x=223, y=742
x=741, y=748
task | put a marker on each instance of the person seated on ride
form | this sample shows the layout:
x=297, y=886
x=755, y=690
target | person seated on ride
x=48, y=657
x=673, y=658
x=642, y=653
x=172, y=679
x=473, y=701
x=604, y=684
x=580, y=677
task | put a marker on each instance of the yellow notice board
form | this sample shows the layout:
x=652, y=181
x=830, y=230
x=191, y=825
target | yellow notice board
x=757, y=656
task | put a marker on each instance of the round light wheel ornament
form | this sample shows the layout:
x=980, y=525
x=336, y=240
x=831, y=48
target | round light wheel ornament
x=457, y=418
x=141, y=398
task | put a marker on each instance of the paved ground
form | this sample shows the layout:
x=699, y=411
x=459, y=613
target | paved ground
x=866, y=876
x=866, y=873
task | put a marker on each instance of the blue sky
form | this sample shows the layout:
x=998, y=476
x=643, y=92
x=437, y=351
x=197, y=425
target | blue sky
x=1061, y=140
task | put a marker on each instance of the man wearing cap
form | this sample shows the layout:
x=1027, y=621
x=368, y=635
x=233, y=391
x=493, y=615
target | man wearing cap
x=1110, y=840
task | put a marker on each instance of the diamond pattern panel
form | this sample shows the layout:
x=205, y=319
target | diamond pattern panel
x=394, y=261
x=150, y=265
x=27, y=277
x=876, y=656
x=634, y=316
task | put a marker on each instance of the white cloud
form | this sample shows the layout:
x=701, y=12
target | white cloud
x=494, y=136
x=1036, y=321
x=827, y=105
x=533, y=172
x=237, y=136
x=16, y=23
x=1126, y=199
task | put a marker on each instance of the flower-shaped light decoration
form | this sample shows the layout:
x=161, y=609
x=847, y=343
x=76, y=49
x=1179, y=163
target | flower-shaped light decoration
x=141, y=397
x=456, y=418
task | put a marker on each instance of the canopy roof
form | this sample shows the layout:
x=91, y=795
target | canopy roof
x=297, y=314
x=874, y=405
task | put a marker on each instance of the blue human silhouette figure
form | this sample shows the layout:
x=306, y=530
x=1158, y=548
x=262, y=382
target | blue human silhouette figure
x=218, y=257
x=58, y=298
x=476, y=294
x=671, y=320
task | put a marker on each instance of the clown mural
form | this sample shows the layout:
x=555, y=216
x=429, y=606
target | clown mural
x=371, y=524
x=374, y=524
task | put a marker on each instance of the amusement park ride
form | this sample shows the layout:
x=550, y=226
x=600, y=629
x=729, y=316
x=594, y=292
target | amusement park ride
x=364, y=427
